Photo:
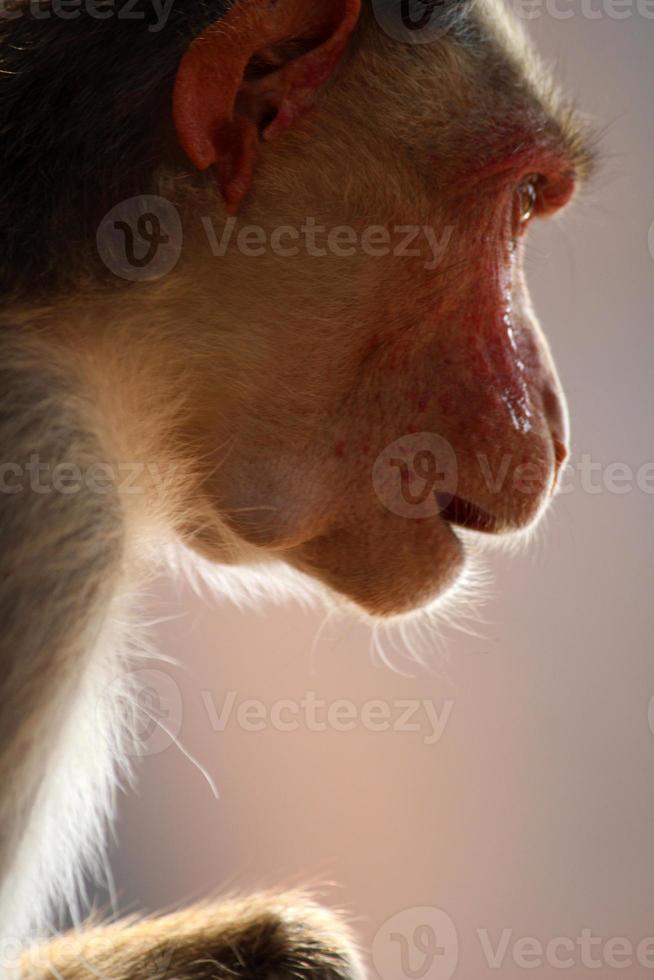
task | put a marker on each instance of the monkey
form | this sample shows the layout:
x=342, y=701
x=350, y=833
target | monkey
x=248, y=246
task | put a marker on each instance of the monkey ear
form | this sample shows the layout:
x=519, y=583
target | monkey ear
x=250, y=76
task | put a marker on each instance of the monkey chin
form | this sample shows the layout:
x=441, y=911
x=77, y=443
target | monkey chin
x=388, y=566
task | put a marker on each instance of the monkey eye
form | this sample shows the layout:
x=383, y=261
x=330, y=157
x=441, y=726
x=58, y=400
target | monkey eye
x=525, y=201
x=528, y=196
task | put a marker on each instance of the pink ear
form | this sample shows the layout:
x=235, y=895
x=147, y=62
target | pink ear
x=218, y=112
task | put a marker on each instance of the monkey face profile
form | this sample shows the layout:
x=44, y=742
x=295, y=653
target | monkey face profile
x=384, y=297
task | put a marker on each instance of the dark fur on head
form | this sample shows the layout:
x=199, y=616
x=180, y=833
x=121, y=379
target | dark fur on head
x=81, y=108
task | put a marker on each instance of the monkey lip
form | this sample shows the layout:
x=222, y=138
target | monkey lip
x=463, y=513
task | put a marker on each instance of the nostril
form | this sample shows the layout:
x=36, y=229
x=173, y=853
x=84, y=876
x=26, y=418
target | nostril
x=555, y=413
x=560, y=456
x=560, y=452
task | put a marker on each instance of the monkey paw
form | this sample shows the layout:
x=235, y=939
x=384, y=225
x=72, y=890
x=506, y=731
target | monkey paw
x=265, y=937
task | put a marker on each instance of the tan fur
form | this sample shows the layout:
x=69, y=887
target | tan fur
x=263, y=937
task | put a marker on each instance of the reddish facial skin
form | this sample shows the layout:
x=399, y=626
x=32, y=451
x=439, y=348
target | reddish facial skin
x=356, y=353
x=476, y=376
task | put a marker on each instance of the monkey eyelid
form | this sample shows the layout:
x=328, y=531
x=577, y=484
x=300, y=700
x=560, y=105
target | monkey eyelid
x=554, y=173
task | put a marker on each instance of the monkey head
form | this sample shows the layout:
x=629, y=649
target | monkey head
x=384, y=393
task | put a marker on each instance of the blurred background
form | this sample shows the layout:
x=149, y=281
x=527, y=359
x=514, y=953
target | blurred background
x=491, y=812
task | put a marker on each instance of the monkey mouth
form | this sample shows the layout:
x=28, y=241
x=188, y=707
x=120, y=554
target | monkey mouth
x=463, y=513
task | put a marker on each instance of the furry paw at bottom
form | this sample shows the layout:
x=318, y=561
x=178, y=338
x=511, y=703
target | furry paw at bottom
x=265, y=937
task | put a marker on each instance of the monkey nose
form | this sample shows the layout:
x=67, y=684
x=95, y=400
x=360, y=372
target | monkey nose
x=556, y=417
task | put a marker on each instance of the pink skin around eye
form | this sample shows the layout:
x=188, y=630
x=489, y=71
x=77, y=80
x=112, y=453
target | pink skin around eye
x=557, y=178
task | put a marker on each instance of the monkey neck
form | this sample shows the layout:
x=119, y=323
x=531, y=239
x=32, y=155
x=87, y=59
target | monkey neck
x=140, y=366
